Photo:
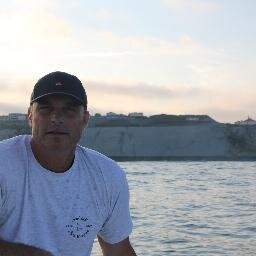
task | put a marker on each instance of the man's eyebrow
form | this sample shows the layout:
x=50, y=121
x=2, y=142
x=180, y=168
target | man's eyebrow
x=73, y=103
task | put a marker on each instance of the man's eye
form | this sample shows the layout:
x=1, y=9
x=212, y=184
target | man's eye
x=71, y=109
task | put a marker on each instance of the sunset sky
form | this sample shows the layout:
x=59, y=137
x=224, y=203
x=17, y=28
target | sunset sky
x=151, y=56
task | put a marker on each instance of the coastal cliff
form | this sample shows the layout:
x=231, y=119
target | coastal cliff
x=204, y=141
x=171, y=141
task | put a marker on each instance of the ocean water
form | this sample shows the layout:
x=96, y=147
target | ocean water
x=192, y=208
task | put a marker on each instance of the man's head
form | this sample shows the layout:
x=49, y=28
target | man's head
x=57, y=113
x=59, y=83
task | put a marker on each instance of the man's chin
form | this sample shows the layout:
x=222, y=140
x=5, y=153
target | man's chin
x=56, y=146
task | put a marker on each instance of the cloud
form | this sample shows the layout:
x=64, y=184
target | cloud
x=36, y=37
x=195, y=6
x=6, y=108
x=132, y=96
x=15, y=94
x=103, y=14
x=107, y=44
x=144, y=90
x=225, y=115
x=19, y=85
x=124, y=97
x=39, y=37
x=30, y=33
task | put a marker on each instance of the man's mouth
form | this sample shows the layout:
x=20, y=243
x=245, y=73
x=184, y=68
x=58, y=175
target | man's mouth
x=56, y=133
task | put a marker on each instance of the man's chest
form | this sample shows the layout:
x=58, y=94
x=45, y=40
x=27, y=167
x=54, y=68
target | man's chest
x=56, y=215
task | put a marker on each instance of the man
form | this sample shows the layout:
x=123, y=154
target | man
x=56, y=196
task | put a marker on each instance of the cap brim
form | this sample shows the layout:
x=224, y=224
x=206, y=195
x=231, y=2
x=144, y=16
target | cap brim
x=60, y=93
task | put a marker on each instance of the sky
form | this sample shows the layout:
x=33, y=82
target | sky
x=153, y=56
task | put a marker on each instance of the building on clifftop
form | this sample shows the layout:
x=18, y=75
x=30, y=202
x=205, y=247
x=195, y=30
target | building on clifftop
x=248, y=121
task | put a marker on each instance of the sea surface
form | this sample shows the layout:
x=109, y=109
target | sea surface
x=192, y=208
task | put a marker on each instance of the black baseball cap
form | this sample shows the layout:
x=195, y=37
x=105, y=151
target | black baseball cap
x=59, y=83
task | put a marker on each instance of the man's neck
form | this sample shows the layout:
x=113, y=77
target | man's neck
x=54, y=161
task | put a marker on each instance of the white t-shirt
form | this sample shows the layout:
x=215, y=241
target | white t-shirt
x=61, y=212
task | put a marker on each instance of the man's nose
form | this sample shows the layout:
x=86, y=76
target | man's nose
x=57, y=117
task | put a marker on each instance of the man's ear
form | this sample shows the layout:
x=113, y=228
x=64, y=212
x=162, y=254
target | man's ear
x=86, y=117
x=30, y=115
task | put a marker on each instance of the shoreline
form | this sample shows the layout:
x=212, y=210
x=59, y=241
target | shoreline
x=184, y=158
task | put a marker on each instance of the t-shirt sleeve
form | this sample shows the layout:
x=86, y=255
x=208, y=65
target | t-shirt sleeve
x=118, y=225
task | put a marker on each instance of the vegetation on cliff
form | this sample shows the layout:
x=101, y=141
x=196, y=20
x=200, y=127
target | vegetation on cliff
x=242, y=138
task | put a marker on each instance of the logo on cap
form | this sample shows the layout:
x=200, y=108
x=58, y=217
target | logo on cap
x=59, y=83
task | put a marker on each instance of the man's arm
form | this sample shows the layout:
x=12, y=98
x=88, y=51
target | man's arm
x=14, y=249
x=122, y=248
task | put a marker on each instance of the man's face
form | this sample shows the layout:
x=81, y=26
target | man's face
x=57, y=122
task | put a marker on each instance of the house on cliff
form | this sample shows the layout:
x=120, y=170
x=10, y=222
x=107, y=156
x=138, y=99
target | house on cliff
x=248, y=121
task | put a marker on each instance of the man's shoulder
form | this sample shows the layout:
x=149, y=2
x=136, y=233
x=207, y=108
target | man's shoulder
x=12, y=144
x=13, y=149
x=107, y=166
x=12, y=156
x=97, y=156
